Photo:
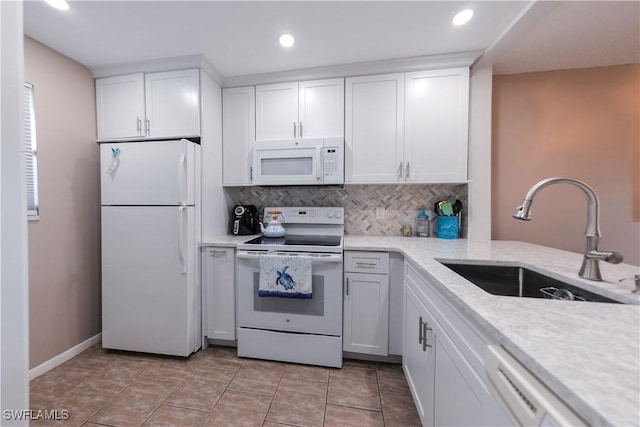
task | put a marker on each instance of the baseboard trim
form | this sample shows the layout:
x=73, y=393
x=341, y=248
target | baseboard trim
x=63, y=357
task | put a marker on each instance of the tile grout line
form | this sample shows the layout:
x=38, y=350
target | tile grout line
x=273, y=397
x=221, y=394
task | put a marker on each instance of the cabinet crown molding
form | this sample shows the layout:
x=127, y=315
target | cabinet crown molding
x=157, y=65
x=415, y=63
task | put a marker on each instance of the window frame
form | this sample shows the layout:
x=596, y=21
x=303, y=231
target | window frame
x=31, y=154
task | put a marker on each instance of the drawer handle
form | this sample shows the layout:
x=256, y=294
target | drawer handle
x=366, y=264
x=420, y=330
x=347, y=279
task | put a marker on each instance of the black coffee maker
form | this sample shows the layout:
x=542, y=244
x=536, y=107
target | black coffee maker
x=243, y=220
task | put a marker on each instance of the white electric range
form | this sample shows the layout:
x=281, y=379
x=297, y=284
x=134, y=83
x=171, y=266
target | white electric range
x=294, y=330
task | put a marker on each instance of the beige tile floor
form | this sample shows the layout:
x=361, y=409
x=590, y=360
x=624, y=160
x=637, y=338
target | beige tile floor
x=215, y=387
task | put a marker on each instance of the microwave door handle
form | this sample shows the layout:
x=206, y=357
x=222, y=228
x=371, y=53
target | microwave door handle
x=319, y=163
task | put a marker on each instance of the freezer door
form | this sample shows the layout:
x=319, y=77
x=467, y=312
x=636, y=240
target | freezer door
x=149, y=296
x=157, y=173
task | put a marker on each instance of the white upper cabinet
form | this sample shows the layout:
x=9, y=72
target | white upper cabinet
x=436, y=125
x=172, y=104
x=277, y=111
x=148, y=106
x=313, y=109
x=120, y=106
x=374, y=128
x=321, y=108
x=238, y=135
x=409, y=127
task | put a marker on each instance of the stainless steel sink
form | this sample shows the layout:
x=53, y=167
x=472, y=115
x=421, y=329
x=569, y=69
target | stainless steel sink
x=514, y=281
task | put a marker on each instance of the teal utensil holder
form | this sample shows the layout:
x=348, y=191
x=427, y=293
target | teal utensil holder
x=448, y=227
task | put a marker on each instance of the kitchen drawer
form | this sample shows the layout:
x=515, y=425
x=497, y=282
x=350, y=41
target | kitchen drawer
x=366, y=262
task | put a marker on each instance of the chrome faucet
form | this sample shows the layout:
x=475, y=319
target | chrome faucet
x=590, y=268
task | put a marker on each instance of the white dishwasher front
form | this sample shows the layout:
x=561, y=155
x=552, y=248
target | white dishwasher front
x=522, y=395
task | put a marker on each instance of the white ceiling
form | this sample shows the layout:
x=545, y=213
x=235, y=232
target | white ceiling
x=240, y=38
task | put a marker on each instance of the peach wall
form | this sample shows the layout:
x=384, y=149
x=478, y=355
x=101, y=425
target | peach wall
x=578, y=123
x=64, y=244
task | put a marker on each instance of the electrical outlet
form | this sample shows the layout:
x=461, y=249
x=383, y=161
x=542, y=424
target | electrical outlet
x=380, y=212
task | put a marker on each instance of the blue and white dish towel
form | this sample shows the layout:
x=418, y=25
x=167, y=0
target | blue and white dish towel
x=285, y=276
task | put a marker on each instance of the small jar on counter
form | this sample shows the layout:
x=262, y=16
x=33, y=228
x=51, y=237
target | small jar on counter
x=423, y=225
x=406, y=231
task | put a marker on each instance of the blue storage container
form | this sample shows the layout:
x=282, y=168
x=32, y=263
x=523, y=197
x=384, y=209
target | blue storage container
x=448, y=227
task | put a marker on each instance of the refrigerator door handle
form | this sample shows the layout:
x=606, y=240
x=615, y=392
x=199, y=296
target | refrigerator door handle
x=182, y=174
x=181, y=235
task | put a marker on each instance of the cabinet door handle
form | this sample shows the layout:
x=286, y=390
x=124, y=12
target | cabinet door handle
x=347, y=285
x=424, y=341
x=400, y=171
x=301, y=130
x=147, y=127
x=406, y=172
x=139, y=126
x=217, y=253
x=250, y=173
x=294, y=129
x=420, y=330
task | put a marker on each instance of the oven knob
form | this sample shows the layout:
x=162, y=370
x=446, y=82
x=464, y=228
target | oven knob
x=330, y=214
x=338, y=214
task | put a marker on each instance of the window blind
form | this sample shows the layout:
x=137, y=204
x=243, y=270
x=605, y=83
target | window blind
x=30, y=151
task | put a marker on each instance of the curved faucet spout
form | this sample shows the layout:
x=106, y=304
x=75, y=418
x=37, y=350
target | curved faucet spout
x=593, y=203
x=590, y=268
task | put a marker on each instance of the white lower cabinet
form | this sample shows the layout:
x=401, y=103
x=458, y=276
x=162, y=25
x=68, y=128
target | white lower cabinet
x=366, y=303
x=455, y=385
x=443, y=360
x=418, y=357
x=218, y=284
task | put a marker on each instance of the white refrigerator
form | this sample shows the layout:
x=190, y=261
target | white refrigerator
x=150, y=241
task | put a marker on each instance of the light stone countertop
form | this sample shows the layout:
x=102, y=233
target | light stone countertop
x=586, y=353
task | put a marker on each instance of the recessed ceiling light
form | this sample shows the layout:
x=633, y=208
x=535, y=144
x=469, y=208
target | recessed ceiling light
x=462, y=17
x=58, y=4
x=287, y=40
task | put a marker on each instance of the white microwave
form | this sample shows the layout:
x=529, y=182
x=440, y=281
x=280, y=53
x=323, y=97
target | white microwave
x=317, y=161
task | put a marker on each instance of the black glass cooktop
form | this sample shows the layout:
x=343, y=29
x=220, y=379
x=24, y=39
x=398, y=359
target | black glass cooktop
x=293, y=240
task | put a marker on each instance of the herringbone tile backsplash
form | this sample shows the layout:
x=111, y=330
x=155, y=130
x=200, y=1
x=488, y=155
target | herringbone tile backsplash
x=402, y=203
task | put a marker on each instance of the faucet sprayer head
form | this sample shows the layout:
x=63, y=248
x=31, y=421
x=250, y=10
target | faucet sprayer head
x=524, y=211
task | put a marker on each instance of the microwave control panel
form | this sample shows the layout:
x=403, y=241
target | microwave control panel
x=332, y=166
x=331, y=162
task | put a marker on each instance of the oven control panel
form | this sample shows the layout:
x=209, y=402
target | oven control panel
x=310, y=215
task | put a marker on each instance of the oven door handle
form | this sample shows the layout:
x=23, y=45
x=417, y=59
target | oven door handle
x=316, y=257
